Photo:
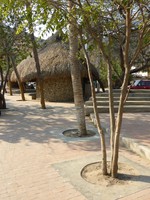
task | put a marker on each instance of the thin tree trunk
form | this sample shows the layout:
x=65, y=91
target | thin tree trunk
x=7, y=74
x=98, y=123
x=111, y=99
x=110, y=94
x=35, y=53
x=114, y=169
x=76, y=75
x=111, y=108
x=10, y=84
x=1, y=75
x=114, y=165
x=4, y=84
x=2, y=101
x=2, y=98
x=10, y=87
x=38, y=68
x=110, y=91
x=18, y=79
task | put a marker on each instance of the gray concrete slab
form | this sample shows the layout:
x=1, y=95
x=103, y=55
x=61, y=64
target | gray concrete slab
x=71, y=171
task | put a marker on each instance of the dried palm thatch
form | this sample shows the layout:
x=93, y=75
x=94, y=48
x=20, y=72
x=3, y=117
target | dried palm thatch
x=54, y=61
x=55, y=70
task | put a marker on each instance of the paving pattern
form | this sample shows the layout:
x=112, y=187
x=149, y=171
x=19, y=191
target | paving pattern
x=31, y=144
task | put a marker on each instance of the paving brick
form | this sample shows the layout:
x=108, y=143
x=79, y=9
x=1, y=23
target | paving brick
x=29, y=146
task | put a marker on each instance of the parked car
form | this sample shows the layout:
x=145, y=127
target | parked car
x=140, y=84
x=31, y=85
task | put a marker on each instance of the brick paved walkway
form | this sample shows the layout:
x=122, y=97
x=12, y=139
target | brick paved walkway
x=31, y=141
x=141, y=195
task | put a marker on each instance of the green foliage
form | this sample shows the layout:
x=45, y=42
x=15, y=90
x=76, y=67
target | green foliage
x=103, y=72
x=146, y=40
x=104, y=18
x=15, y=20
x=116, y=73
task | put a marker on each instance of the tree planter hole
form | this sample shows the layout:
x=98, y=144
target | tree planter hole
x=75, y=134
x=92, y=174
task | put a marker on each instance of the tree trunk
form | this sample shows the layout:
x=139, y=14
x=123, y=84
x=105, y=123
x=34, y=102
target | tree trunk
x=98, y=123
x=2, y=98
x=114, y=169
x=18, y=79
x=2, y=102
x=35, y=53
x=111, y=107
x=10, y=86
x=76, y=75
x=1, y=76
x=114, y=164
x=38, y=68
x=7, y=75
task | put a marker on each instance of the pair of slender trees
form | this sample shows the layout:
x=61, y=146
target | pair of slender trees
x=107, y=24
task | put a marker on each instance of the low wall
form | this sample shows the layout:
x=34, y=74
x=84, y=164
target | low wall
x=57, y=90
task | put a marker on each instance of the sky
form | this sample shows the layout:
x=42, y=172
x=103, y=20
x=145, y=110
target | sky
x=39, y=30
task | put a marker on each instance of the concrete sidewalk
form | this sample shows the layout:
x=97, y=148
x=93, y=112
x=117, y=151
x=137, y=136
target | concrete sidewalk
x=38, y=162
x=135, y=133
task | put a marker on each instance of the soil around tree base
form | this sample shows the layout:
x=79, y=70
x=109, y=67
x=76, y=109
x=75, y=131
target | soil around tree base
x=92, y=173
x=75, y=133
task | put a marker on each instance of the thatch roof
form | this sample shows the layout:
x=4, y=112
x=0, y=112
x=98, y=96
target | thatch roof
x=54, y=61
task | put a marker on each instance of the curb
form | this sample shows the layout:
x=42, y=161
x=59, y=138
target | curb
x=131, y=144
x=136, y=147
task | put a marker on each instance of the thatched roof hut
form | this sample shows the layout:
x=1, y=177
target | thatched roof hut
x=55, y=68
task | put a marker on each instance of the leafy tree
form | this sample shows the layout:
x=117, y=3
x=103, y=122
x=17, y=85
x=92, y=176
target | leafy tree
x=13, y=46
x=114, y=23
x=25, y=16
x=8, y=49
x=61, y=16
x=29, y=18
x=120, y=29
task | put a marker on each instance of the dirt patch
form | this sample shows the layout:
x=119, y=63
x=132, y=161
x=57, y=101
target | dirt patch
x=92, y=174
x=74, y=133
